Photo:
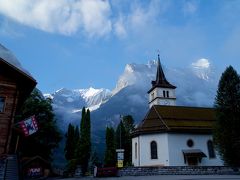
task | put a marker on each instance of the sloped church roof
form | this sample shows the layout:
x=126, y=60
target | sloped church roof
x=179, y=119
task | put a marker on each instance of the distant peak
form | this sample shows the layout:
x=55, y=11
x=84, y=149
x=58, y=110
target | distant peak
x=61, y=89
x=201, y=63
x=129, y=68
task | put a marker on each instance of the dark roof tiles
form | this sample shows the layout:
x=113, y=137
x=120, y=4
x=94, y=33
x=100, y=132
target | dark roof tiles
x=177, y=119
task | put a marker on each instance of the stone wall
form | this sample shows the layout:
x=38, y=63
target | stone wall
x=179, y=170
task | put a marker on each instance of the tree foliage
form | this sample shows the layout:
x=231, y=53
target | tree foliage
x=72, y=138
x=227, y=127
x=123, y=137
x=128, y=123
x=48, y=136
x=110, y=152
x=83, y=151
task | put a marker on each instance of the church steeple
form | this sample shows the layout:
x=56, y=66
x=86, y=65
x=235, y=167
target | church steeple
x=162, y=92
x=161, y=80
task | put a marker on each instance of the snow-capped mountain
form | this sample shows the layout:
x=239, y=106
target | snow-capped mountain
x=196, y=86
x=74, y=100
x=135, y=73
x=203, y=69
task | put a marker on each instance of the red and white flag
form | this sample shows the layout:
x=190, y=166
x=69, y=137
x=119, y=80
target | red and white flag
x=29, y=126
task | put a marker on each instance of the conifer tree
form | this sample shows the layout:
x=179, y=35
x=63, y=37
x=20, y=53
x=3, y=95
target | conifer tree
x=227, y=127
x=123, y=134
x=110, y=152
x=83, y=151
x=120, y=136
x=70, y=143
x=71, y=146
x=128, y=123
x=76, y=137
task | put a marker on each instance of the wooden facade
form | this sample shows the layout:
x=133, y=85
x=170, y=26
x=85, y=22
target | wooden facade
x=15, y=86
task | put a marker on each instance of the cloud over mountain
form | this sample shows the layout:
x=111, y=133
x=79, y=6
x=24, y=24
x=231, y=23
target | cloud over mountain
x=61, y=16
x=196, y=86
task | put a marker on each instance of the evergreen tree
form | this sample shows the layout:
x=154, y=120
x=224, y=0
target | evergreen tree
x=123, y=134
x=83, y=151
x=120, y=136
x=227, y=128
x=110, y=152
x=70, y=143
x=48, y=136
x=128, y=123
x=76, y=137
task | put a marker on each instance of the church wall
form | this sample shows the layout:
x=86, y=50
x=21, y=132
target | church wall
x=144, y=150
x=178, y=142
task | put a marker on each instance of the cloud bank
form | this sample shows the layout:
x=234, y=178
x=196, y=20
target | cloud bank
x=62, y=16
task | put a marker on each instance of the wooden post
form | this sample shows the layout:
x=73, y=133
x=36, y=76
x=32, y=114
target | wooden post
x=16, y=147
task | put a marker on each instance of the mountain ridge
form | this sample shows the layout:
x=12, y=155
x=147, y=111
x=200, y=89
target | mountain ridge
x=196, y=86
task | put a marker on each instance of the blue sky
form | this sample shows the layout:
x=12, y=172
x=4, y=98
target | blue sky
x=79, y=43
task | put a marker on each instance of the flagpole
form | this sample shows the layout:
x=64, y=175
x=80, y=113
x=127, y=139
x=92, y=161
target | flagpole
x=16, y=147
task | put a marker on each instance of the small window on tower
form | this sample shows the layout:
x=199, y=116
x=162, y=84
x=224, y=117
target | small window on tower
x=152, y=95
x=2, y=104
x=164, y=94
x=167, y=93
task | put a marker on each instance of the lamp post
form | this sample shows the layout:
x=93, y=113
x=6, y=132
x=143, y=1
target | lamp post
x=120, y=131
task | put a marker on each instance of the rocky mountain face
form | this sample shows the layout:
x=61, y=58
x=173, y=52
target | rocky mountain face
x=196, y=86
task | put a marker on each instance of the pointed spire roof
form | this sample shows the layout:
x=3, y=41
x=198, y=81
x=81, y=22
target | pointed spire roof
x=161, y=80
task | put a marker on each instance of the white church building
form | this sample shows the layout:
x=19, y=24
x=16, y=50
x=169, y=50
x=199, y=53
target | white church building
x=171, y=135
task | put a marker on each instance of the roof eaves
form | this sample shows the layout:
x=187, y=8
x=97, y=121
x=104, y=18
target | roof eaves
x=20, y=71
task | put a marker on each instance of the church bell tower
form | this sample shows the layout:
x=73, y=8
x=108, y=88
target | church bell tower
x=162, y=92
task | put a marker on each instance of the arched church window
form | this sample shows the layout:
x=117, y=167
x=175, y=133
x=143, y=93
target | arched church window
x=211, y=151
x=154, y=150
x=135, y=150
x=167, y=93
x=164, y=93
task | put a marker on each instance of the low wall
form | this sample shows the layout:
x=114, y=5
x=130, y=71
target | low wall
x=179, y=170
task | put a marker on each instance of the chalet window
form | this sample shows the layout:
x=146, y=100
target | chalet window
x=154, y=150
x=167, y=93
x=211, y=151
x=135, y=150
x=164, y=94
x=2, y=104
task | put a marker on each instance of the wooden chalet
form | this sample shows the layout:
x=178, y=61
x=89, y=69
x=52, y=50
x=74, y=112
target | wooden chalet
x=15, y=86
